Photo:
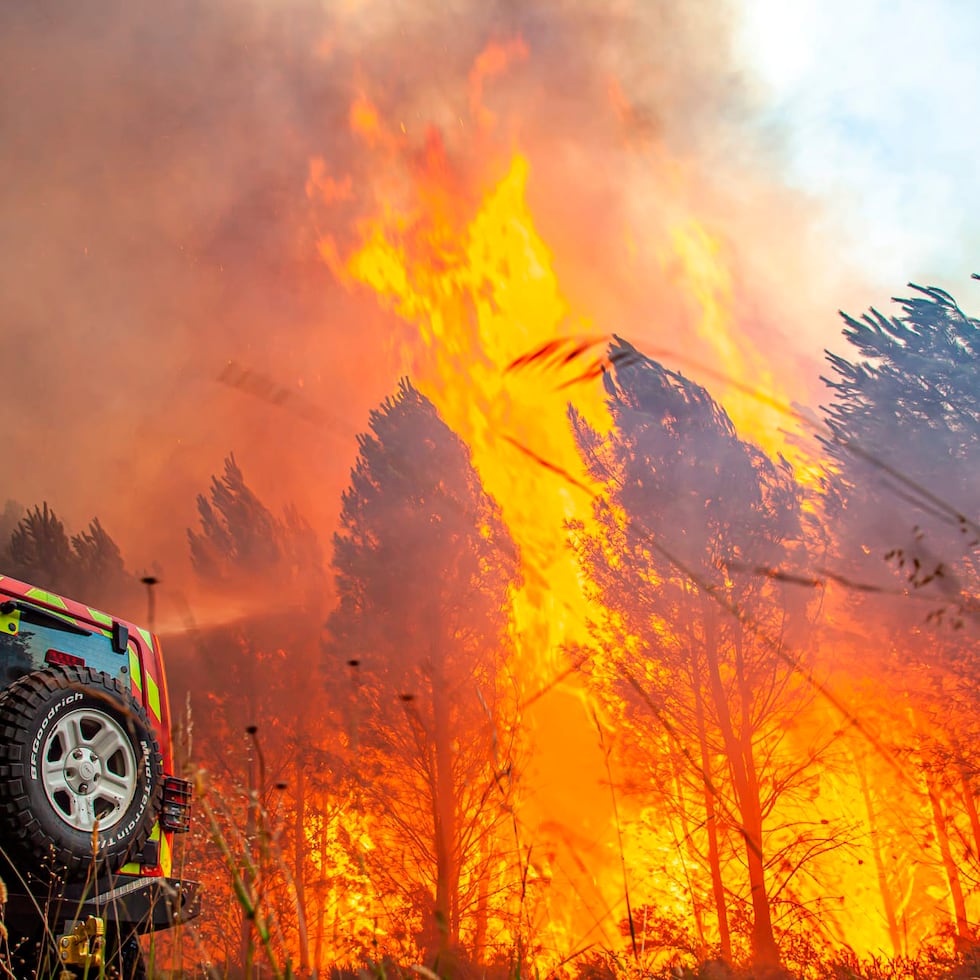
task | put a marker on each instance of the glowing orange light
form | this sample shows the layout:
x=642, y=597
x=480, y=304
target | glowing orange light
x=495, y=59
x=476, y=282
x=364, y=119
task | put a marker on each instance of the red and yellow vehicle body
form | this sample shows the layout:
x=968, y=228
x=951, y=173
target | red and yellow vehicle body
x=50, y=641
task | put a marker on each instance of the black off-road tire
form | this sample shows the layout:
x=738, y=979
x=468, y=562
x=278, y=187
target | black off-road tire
x=76, y=750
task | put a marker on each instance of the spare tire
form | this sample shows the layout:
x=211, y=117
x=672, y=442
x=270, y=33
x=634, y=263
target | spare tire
x=80, y=771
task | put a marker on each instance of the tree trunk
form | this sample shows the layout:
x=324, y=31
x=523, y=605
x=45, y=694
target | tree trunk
x=447, y=871
x=299, y=855
x=765, y=952
x=887, y=898
x=738, y=747
x=687, y=836
x=321, y=919
x=970, y=805
x=941, y=825
x=482, y=906
x=711, y=818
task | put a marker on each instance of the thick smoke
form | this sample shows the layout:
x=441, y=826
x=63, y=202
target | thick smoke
x=159, y=241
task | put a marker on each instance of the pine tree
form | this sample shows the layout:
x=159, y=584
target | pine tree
x=40, y=551
x=424, y=569
x=701, y=647
x=9, y=518
x=98, y=557
x=86, y=566
x=266, y=717
x=904, y=441
x=239, y=535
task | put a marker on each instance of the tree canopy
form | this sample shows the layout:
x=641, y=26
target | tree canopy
x=424, y=571
x=904, y=425
x=702, y=647
x=87, y=566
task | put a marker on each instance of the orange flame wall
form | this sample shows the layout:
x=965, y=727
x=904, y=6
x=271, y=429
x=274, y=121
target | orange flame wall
x=481, y=291
x=479, y=287
x=457, y=256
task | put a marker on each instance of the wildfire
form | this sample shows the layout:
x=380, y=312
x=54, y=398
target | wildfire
x=481, y=296
x=481, y=292
x=476, y=282
x=759, y=405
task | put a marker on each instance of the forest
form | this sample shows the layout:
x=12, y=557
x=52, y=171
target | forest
x=724, y=727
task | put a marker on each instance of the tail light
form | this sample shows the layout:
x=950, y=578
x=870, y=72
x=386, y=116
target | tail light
x=175, y=815
x=65, y=659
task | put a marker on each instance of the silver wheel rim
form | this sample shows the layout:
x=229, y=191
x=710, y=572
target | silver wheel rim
x=88, y=769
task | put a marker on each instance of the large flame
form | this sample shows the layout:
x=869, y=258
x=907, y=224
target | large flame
x=481, y=292
x=760, y=404
x=459, y=259
x=481, y=295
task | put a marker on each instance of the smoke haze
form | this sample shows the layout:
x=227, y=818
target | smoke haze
x=162, y=220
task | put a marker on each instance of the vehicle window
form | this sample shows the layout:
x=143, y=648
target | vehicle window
x=38, y=638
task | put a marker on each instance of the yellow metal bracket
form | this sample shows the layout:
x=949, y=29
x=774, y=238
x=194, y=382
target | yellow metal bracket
x=10, y=623
x=84, y=945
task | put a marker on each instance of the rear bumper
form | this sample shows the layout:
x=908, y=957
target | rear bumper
x=130, y=905
x=148, y=904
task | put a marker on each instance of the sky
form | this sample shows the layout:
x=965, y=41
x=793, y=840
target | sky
x=877, y=105
x=161, y=235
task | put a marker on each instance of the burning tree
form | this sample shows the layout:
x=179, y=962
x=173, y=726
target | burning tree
x=905, y=441
x=425, y=570
x=905, y=448
x=701, y=646
x=268, y=763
